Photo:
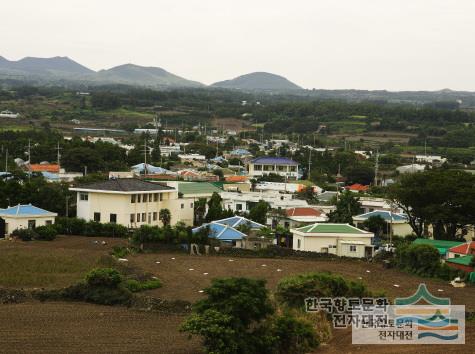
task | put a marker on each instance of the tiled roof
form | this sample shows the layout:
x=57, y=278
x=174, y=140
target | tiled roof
x=330, y=229
x=302, y=212
x=466, y=248
x=236, y=178
x=125, y=185
x=36, y=167
x=25, y=210
x=225, y=229
x=357, y=187
x=441, y=245
x=272, y=160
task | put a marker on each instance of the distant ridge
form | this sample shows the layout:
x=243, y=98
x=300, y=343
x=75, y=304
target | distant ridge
x=58, y=70
x=259, y=81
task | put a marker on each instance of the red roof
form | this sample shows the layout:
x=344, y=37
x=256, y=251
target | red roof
x=302, y=212
x=36, y=167
x=357, y=187
x=235, y=178
x=466, y=248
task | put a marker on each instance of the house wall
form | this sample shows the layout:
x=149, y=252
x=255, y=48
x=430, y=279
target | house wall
x=462, y=267
x=121, y=205
x=324, y=243
x=14, y=223
x=281, y=170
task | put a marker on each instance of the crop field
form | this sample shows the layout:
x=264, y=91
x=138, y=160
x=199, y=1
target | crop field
x=52, y=327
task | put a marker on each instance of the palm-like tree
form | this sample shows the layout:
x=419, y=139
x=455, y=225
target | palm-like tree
x=165, y=216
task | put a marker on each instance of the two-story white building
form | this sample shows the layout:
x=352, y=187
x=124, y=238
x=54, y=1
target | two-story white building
x=131, y=202
x=266, y=165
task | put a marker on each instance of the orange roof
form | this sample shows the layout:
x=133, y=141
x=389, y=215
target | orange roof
x=36, y=167
x=236, y=179
x=466, y=248
x=357, y=187
x=302, y=212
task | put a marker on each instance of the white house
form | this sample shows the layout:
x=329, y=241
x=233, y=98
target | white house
x=131, y=202
x=8, y=114
x=244, y=201
x=338, y=239
x=398, y=222
x=432, y=159
x=23, y=217
x=282, y=166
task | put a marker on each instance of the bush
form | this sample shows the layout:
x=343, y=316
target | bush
x=420, y=259
x=293, y=335
x=25, y=234
x=137, y=286
x=107, y=277
x=103, y=295
x=46, y=233
x=292, y=291
x=80, y=227
x=120, y=251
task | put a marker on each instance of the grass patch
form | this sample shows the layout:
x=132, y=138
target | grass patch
x=42, y=269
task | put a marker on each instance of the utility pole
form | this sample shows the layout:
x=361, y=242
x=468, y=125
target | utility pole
x=309, y=164
x=58, y=156
x=376, y=168
x=6, y=160
x=145, y=157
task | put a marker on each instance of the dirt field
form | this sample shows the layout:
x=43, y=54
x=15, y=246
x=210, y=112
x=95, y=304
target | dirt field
x=76, y=327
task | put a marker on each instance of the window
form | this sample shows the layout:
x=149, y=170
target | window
x=238, y=206
x=258, y=167
x=161, y=196
x=155, y=197
x=132, y=198
x=113, y=218
x=149, y=218
x=31, y=224
x=48, y=222
x=191, y=205
x=138, y=197
x=138, y=217
x=97, y=217
x=144, y=199
x=155, y=216
x=144, y=217
x=293, y=168
x=281, y=168
x=84, y=196
x=150, y=196
x=298, y=243
x=352, y=248
x=132, y=218
x=266, y=167
x=182, y=206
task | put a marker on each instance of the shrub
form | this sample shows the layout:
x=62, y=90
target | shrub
x=120, y=251
x=47, y=233
x=293, y=335
x=80, y=227
x=107, y=277
x=25, y=234
x=137, y=286
x=292, y=291
x=419, y=259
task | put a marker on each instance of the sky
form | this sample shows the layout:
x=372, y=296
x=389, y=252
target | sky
x=327, y=44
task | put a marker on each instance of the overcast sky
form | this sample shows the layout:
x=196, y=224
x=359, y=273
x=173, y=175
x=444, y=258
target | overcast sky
x=331, y=44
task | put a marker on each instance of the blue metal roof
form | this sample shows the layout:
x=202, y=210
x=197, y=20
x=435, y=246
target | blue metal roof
x=50, y=176
x=150, y=169
x=272, y=160
x=225, y=229
x=386, y=215
x=25, y=210
x=240, y=152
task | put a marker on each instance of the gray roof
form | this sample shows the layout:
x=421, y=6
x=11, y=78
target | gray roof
x=125, y=185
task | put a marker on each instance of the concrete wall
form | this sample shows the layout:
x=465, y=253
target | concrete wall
x=12, y=224
x=121, y=205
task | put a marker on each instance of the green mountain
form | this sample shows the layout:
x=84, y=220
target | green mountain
x=258, y=81
x=136, y=75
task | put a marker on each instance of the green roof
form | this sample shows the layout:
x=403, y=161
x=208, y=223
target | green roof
x=197, y=188
x=441, y=245
x=330, y=229
x=464, y=260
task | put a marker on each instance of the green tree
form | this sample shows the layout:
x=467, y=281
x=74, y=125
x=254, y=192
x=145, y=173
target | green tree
x=375, y=224
x=165, y=217
x=441, y=197
x=215, y=210
x=347, y=205
x=258, y=213
x=200, y=211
